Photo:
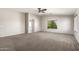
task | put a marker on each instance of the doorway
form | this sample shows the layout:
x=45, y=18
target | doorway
x=31, y=26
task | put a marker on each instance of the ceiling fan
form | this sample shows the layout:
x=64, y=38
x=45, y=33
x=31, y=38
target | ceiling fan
x=40, y=10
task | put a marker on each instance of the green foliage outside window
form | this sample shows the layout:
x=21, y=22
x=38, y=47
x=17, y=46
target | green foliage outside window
x=52, y=24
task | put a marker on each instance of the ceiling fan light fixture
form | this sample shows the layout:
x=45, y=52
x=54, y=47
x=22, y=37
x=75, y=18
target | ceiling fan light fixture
x=40, y=10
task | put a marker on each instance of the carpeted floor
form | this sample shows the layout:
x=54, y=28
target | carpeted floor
x=40, y=41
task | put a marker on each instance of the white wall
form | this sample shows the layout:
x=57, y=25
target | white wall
x=76, y=25
x=11, y=23
x=64, y=24
x=36, y=22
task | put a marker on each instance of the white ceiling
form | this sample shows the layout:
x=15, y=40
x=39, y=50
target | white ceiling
x=53, y=11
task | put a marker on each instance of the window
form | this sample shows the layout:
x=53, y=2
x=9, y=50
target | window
x=52, y=24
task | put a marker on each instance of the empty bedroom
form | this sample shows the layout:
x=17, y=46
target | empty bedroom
x=39, y=29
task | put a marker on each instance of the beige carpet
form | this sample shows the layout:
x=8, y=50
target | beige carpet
x=40, y=41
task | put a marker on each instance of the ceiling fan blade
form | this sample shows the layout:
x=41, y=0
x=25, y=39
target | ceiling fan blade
x=44, y=9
